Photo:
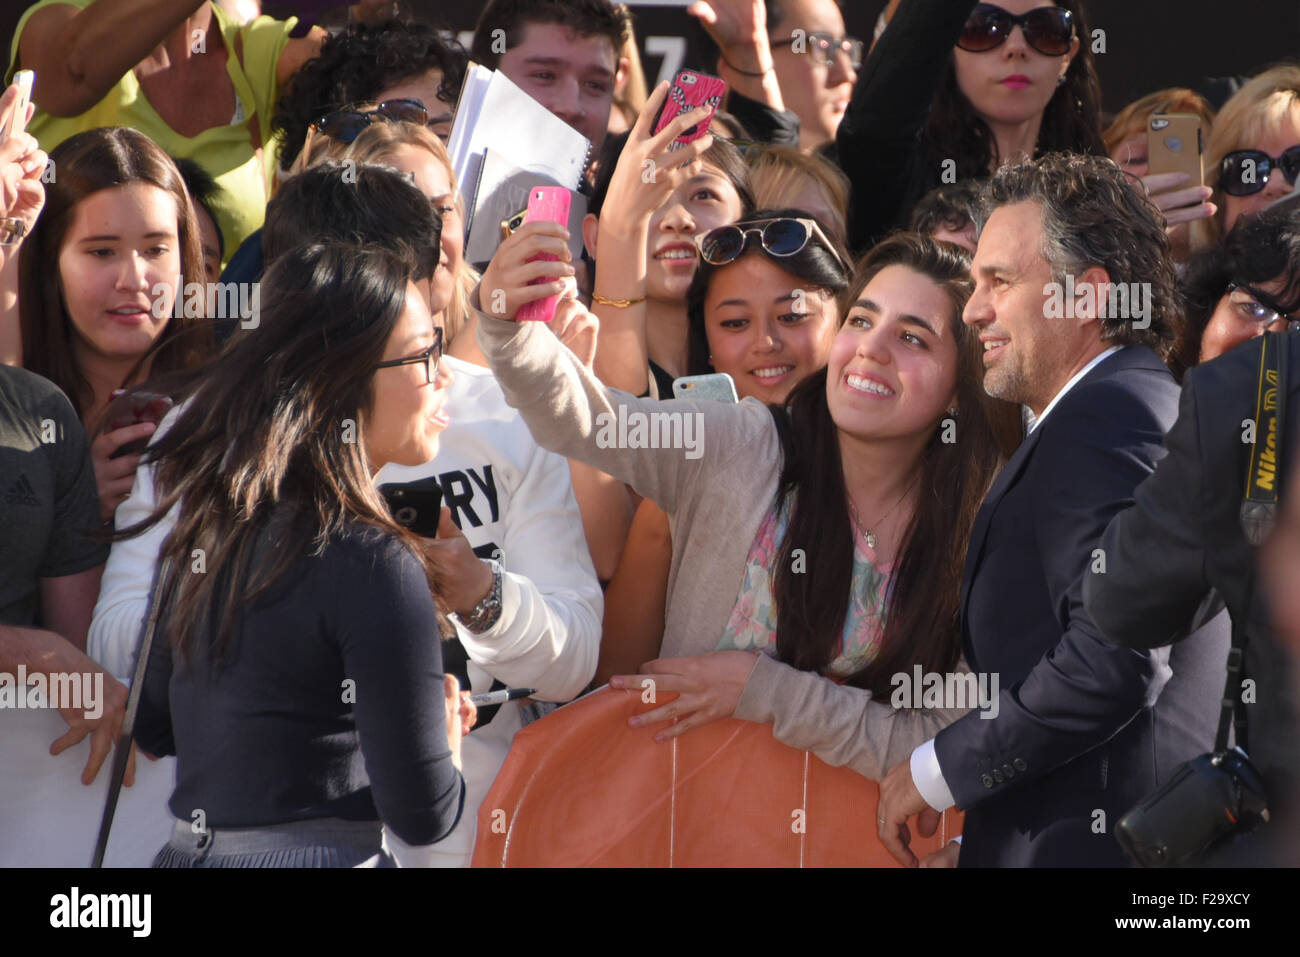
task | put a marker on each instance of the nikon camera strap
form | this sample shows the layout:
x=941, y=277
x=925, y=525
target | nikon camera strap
x=1258, y=506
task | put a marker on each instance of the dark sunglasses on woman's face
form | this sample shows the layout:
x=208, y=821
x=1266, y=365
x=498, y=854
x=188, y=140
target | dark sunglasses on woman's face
x=346, y=125
x=1047, y=29
x=1244, y=172
x=431, y=357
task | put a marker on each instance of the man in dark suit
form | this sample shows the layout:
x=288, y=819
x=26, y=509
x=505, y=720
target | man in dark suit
x=1083, y=729
x=1184, y=536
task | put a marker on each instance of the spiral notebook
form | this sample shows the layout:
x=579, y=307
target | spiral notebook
x=493, y=113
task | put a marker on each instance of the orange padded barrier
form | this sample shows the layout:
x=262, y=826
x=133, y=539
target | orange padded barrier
x=582, y=789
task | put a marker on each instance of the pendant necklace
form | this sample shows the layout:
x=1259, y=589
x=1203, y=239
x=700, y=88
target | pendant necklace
x=869, y=534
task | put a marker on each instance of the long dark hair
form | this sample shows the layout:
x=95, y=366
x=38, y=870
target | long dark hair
x=1071, y=119
x=925, y=586
x=275, y=423
x=1260, y=249
x=96, y=160
x=816, y=264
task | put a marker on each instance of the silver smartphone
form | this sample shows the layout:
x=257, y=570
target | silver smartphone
x=715, y=385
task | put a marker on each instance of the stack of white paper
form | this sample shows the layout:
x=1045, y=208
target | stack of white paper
x=495, y=114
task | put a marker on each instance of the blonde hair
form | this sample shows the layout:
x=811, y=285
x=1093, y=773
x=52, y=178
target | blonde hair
x=779, y=172
x=1133, y=119
x=1258, y=108
x=377, y=142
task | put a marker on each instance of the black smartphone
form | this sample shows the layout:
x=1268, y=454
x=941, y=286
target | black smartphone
x=415, y=505
x=132, y=408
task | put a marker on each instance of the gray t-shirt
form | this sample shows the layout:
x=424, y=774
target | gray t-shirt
x=48, y=499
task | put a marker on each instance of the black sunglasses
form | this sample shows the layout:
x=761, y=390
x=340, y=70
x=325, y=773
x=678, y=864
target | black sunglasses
x=779, y=237
x=1244, y=172
x=346, y=125
x=1047, y=29
x=431, y=357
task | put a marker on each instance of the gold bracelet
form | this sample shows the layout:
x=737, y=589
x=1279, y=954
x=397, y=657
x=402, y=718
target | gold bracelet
x=616, y=303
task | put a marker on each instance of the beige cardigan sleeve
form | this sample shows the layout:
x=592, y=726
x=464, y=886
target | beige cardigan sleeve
x=840, y=724
x=569, y=411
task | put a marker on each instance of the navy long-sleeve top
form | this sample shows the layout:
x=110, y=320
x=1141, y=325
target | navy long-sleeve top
x=329, y=702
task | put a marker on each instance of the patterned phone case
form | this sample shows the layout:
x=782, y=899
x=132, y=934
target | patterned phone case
x=546, y=204
x=691, y=89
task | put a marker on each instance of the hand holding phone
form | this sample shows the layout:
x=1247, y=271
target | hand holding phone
x=1175, y=145
x=129, y=422
x=132, y=408
x=545, y=204
x=16, y=120
x=1175, y=179
x=415, y=505
x=688, y=91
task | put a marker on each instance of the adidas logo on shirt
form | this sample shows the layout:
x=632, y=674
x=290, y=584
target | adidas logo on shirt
x=22, y=493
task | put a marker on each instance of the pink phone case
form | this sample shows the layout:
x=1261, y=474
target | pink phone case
x=691, y=89
x=545, y=204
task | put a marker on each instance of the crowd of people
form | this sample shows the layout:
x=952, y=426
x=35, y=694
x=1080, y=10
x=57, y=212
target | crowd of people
x=1001, y=410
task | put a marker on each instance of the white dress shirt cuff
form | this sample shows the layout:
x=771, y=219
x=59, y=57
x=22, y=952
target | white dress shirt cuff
x=928, y=777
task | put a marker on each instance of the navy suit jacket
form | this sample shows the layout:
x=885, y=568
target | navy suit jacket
x=1085, y=729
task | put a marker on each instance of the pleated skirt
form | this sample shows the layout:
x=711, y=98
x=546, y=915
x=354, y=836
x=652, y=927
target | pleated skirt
x=324, y=842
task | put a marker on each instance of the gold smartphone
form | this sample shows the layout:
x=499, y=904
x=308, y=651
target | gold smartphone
x=1175, y=145
x=508, y=226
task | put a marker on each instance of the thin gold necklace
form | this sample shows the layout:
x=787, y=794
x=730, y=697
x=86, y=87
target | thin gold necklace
x=857, y=520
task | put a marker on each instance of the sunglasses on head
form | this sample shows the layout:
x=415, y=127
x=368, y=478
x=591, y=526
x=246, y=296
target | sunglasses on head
x=346, y=125
x=1048, y=30
x=779, y=237
x=1244, y=172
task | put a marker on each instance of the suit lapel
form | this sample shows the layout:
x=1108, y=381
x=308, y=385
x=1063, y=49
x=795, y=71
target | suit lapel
x=1131, y=356
x=1015, y=465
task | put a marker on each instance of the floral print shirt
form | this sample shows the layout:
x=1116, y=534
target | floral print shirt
x=752, y=626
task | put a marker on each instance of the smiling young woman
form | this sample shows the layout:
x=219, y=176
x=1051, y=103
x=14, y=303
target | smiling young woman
x=644, y=241
x=854, y=474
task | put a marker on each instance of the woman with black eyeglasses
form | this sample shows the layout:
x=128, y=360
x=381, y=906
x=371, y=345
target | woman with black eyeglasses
x=297, y=672
x=1244, y=287
x=953, y=91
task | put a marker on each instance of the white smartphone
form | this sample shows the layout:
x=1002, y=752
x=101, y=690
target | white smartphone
x=16, y=121
x=715, y=385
